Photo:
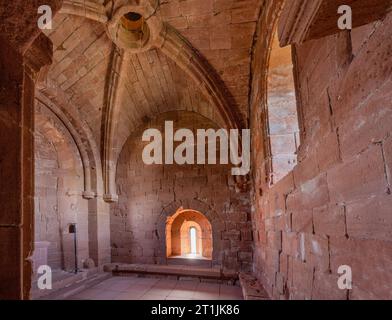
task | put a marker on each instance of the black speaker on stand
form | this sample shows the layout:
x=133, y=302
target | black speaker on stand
x=72, y=230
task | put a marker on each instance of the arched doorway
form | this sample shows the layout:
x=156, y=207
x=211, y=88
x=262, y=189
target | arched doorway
x=188, y=235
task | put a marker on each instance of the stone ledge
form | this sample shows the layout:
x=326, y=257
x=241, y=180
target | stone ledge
x=251, y=288
x=172, y=270
x=66, y=284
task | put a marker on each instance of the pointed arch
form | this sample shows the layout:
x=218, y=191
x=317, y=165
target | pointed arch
x=85, y=149
x=189, y=60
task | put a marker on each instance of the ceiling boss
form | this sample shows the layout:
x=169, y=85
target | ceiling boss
x=135, y=25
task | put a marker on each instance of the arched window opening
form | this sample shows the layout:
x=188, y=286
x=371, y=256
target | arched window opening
x=188, y=235
x=282, y=117
x=193, y=240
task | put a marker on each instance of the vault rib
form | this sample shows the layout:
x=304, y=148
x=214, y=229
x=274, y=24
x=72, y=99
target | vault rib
x=177, y=48
x=115, y=87
x=84, y=8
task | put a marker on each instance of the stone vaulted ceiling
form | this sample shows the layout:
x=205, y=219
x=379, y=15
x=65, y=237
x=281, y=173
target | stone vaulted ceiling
x=222, y=31
x=198, y=59
x=81, y=59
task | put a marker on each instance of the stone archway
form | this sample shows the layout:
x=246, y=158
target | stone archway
x=215, y=253
x=59, y=202
x=178, y=238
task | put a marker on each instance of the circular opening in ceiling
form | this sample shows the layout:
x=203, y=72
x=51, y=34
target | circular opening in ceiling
x=133, y=31
x=132, y=16
x=132, y=21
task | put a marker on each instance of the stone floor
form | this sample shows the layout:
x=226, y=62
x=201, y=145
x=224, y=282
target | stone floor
x=133, y=288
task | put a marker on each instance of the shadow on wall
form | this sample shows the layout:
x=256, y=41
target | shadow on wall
x=58, y=196
x=189, y=235
x=149, y=194
x=282, y=123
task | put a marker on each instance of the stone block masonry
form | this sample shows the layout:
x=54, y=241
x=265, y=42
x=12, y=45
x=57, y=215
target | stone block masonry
x=149, y=194
x=333, y=209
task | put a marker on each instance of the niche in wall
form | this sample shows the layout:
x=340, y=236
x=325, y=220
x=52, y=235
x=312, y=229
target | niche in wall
x=188, y=235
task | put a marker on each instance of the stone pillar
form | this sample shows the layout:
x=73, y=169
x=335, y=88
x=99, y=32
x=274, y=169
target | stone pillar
x=19, y=72
x=23, y=51
x=99, y=231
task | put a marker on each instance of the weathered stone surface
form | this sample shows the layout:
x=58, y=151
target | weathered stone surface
x=320, y=120
x=370, y=219
x=150, y=194
x=337, y=211
x=330, y=220
x=251, y=288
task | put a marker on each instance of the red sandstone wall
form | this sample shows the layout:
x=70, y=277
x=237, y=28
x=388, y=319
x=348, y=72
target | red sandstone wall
x=46, y=219
x=335, y=207
x=58, y=192
x=283, y=131
x=149, y=194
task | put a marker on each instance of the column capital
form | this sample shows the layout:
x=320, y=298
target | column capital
x=303, y=20
x=39, y=55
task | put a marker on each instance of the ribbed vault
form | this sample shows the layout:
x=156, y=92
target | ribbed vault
x=115, y=90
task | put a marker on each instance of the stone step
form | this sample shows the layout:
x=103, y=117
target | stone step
x=78, y=287
x=190, y=262
x=60, y=279
x=62, y=288
x=177, y=271
x=251, y=288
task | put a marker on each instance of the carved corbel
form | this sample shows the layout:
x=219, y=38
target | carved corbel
x=39, y=57
x=313, y=19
